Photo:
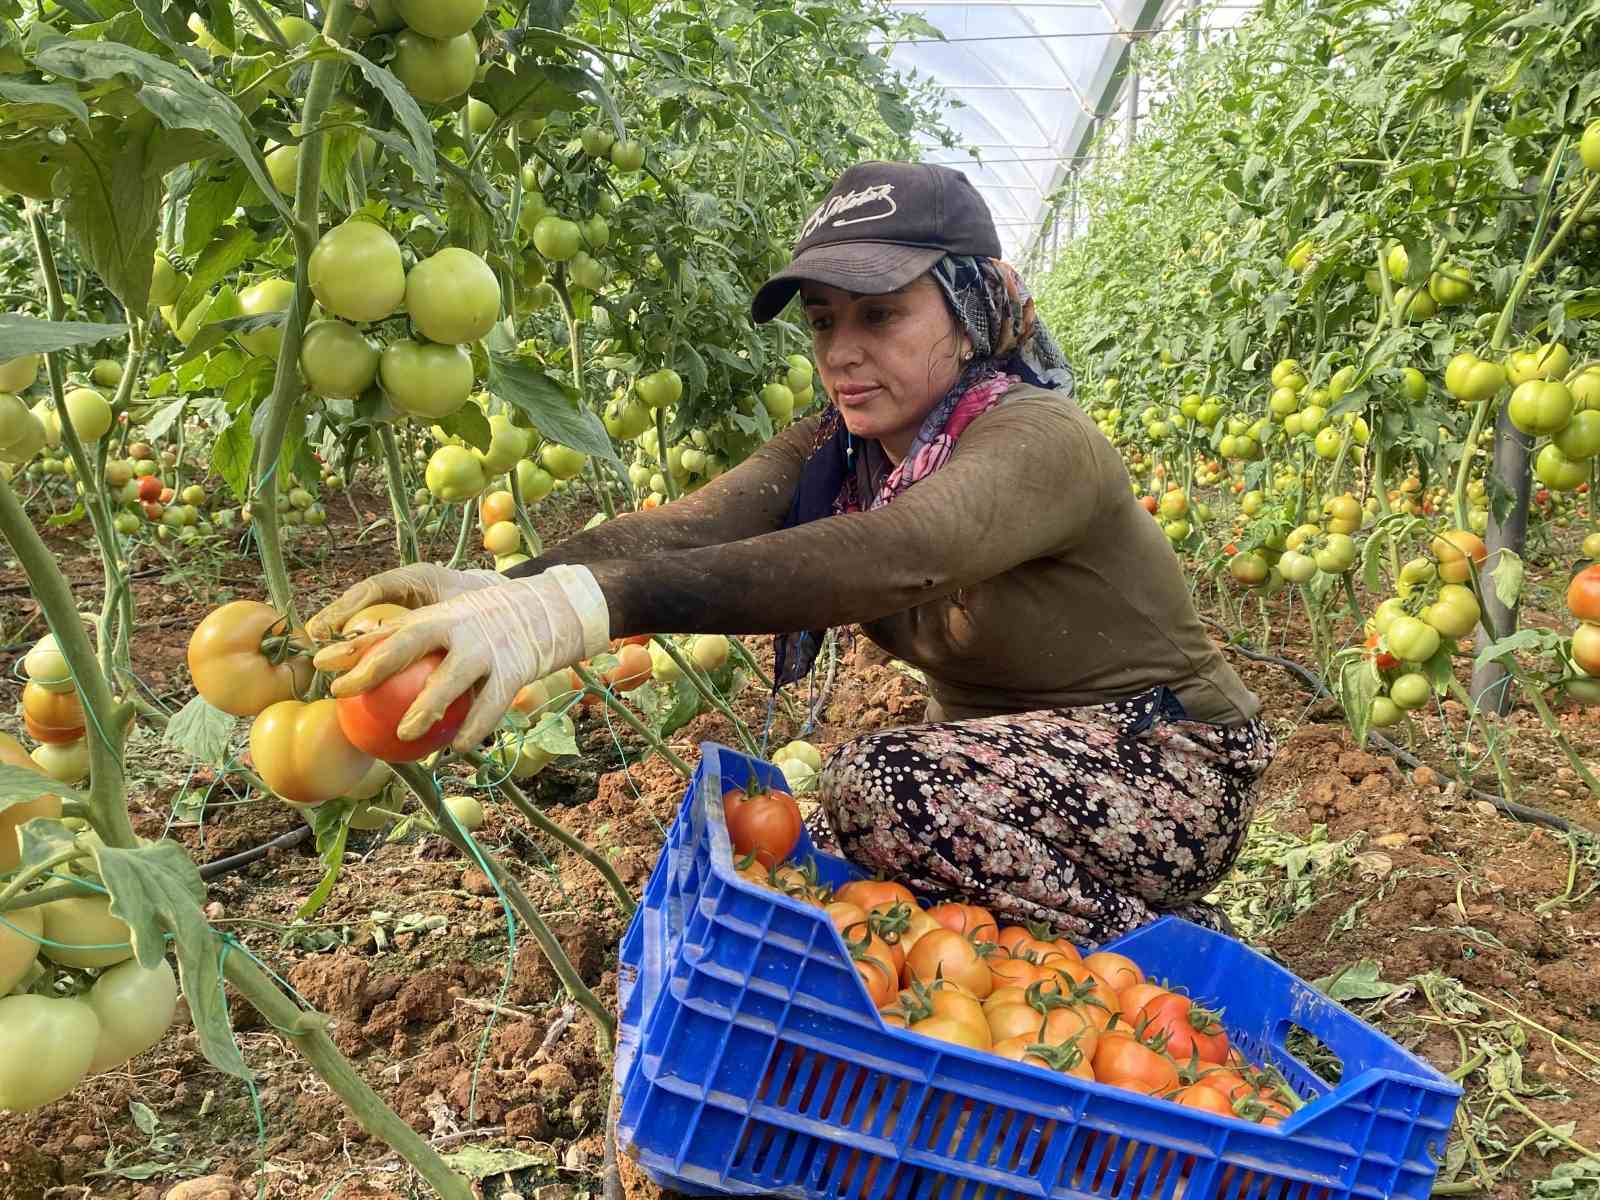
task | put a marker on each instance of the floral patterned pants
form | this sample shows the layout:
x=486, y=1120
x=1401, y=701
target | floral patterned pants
x=1094, y=819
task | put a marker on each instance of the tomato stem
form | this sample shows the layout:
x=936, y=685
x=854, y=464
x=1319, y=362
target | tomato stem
x=632, y=722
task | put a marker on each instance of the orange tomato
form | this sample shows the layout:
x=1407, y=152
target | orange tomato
x=971, y=919
x=1120, y=971
x=946, y=954
x=869, y=893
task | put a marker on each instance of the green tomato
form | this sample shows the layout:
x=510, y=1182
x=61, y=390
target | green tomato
x=1542, y=362
x=455, y=475
x=534, y=482
x=1455, y=613
x=1297, y=567
x=1385, y=712
x=166, y=285
x=507, y=444
x=1398, y=262
x=1413, y=384
x=626, y=418
x=107, y=372
x=85, y=933
x=1538, y=408
x=596, y=140
x=557, y=238
x=627, y=155
x=19, y=946
x=1589, y=146
x=660, y=389
x=453, y=297
x=1473, y=380
x=18, y=374
x=1558, y=472
x=337, y=360
x=268, y=296
x=435, y=71
x=1341, y=383
x=1411, y=640
x=357, y=273
x=283, y=166
x=1451, y=284
x=586, y=272
x=1585, y=389
x=595, y=231
x=1581, y=437
x=1410, y=691
x=425, y=379
x=89, y=412
x=46, y=1046
x=440, y=18
x=466, y=811
x=778, y=400
x=563, y=462
x=1327, y=444
x=1336, y=555
x=135, y=1007
x=480, y=117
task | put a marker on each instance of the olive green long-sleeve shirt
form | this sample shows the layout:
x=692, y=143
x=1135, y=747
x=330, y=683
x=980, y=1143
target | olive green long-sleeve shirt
x=1020, y=575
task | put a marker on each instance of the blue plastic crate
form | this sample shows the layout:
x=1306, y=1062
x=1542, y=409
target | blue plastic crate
x=751, y=1061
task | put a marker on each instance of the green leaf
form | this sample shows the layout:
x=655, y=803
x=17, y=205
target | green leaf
x=546, y=14
x=173, y=97
x=44, y=838
x=52, y=95
x=220, y=259
x=71, y=517
x=554, y=734
x=113, y=205
x=1507, y=576
x=230, y=456
x=417, y=149
x=551, y=406
x=21, y=335
x=686, y=706
x=1355, y=981
x=331, y=824
x=533, y=88
x=18, y=785
x=469, y=424
x=1358, y=687
x=483, y=1162
x=202, y=731
x=156, y=888
x=1522, y=641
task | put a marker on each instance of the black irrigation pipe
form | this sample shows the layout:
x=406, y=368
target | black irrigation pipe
x=1519, y=812
x=222, y=866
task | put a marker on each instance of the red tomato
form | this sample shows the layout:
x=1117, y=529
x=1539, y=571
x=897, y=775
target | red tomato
x=1123, y=1061
x=149, y=487
x=1188, y=1031
x=869, y=893
x=369, y=719
x=972, y=919
x=766, y=824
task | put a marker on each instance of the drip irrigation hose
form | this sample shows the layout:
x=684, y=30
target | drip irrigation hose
x=222, y=866
x=1519, y=812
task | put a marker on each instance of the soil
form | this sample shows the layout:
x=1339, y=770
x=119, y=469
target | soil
x=409, y=957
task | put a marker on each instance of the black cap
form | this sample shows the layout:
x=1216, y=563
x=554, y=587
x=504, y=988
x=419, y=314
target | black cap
x=882, y=225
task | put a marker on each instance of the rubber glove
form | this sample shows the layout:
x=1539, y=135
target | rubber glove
x=499, y=638
x=414, y=587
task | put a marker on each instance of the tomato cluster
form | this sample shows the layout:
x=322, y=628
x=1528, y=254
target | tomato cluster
x=950, y=972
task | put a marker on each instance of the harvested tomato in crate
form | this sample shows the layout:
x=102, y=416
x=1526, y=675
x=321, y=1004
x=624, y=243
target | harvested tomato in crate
x=754, y=1057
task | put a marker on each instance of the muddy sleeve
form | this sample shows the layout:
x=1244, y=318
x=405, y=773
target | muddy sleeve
x=751, y=499
x=1024, y=482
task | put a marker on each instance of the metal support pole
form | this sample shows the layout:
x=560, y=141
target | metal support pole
x=1133, y=106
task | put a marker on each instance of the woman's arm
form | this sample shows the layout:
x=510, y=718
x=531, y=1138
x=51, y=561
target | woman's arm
x=745, y=502
x=1025, y=482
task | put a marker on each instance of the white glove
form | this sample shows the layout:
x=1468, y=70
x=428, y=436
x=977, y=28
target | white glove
x=415, y=586
x=500, y=638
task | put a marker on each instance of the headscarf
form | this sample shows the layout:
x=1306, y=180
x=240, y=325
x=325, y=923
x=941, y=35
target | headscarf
x=1010, y=345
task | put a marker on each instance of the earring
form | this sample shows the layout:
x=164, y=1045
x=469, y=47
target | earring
x=967, y=357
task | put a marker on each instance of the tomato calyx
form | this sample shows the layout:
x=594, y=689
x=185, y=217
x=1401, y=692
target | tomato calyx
x=1059, y=1056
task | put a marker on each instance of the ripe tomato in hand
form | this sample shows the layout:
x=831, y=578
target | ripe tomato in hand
x=766, y=824
x=369, y=719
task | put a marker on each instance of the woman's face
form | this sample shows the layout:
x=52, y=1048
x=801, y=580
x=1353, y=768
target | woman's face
x=886, y=360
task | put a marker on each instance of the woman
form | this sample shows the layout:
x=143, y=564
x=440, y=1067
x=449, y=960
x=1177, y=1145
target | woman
x=1089, y=759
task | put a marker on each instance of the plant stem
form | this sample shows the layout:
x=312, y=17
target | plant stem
x=661, y=453
x=524, y=518
x=560, y=833
x=632, y=722
x=286, y=387
x=107, y=718
x=460, y=552
x=308, y=1031
x=94, y=497
x=421, y=782
x=575, y=349
x=405, y=533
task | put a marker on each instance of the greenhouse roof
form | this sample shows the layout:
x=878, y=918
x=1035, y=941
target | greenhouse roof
x=1029, y=82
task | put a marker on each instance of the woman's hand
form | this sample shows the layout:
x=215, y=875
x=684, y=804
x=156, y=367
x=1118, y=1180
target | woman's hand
x=415, y=586
x=500, y=637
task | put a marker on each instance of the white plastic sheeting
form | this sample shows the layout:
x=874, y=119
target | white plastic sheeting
x=1028, y=81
